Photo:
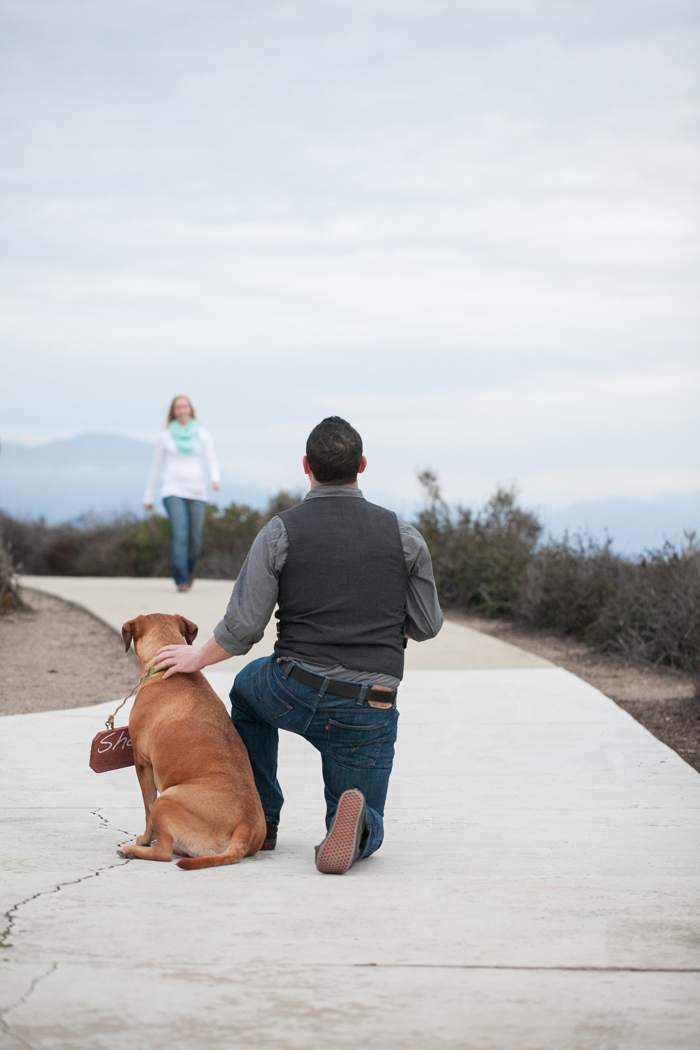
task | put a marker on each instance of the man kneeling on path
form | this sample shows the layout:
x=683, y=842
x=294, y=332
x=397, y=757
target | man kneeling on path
x=352, y=582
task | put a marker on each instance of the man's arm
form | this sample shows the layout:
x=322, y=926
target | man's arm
x=249, y=609
x=423, y=613
x=184, y=659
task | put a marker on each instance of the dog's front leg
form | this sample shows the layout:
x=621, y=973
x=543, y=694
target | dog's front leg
x=144, y=771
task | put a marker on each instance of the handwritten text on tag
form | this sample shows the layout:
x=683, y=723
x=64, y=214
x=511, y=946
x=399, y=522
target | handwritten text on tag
x=111, y=749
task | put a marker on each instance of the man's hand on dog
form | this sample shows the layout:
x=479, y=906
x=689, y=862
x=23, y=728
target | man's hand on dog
x=184, y=659
x=179, y=659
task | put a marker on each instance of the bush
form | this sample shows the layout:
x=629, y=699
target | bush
x=648, y=607
x=227, y=540
x=128, y=546
x=145, y=547
x=479, y=558
x=567, y=584
x=489, y=562
x=9, y=591
x=86, y=547
x=655, y=610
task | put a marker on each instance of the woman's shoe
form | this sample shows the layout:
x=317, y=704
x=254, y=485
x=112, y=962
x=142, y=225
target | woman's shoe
x=182, y=587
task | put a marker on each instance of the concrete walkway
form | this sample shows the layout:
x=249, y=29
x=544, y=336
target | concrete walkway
x=538, y=890
x=118, y=599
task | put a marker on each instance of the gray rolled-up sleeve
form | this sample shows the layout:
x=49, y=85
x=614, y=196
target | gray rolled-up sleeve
x=255, y=592
x=423, y=613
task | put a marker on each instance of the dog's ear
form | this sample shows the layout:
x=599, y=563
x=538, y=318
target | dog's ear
x=188, y=629
x=128, y=634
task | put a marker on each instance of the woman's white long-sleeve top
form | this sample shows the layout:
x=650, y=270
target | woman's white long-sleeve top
x=183, y=475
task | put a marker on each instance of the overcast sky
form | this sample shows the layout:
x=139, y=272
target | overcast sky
x=469, y=227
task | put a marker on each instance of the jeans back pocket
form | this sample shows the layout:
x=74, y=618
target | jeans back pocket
x=272, y=698
x=358, y=745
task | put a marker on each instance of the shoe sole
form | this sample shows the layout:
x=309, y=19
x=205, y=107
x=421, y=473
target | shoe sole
x=338, y=851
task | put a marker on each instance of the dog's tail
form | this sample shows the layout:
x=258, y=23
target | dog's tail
x=235, y=850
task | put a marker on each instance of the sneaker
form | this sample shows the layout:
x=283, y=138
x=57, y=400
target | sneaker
x=341, y=846
x=270, y=837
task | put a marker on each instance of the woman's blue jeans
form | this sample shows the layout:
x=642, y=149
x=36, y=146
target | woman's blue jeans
x=356, y=741
x=186, y=530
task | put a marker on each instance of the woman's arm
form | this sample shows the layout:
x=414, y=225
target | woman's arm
x=154, y=476
x=211, y=460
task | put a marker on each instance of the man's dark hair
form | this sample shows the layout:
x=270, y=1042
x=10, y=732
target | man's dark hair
x=334, y=451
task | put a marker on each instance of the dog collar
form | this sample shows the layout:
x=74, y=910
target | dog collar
x=149, y=673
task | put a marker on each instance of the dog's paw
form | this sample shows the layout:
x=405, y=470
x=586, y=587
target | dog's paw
x=124, y=851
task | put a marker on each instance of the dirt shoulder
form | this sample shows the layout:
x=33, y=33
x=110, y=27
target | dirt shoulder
x=666, y=702
x=56, y=655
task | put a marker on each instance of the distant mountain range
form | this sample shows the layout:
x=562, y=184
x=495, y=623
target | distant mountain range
x=104, y=474
x=100, y=474
x=634, y=525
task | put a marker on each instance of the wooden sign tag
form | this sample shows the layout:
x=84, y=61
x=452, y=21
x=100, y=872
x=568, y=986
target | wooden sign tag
x=111, y=749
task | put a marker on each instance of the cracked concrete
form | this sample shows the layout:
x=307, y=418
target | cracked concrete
x=8, y=1036
x=22, y=1001
x=12, y=912
x=538, y=889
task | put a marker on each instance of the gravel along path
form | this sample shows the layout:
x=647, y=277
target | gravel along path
x=55, y=655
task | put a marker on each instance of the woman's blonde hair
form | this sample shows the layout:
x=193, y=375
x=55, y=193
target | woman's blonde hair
x=171, y=411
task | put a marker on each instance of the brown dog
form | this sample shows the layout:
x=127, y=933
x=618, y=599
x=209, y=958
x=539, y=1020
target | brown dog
x=195, y=774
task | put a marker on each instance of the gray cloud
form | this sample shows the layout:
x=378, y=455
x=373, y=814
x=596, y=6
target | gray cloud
x=472, y=227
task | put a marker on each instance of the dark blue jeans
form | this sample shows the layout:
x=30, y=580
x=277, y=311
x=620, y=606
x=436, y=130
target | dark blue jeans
x=186, y=529
x=356, y=741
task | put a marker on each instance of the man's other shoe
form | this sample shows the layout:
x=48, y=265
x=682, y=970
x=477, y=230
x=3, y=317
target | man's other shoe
x=341, y=846
x=270, y=836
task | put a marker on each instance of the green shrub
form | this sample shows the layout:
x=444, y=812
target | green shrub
x=227, y=539
x=479, y=558
x=282, y=501
x=146, y=547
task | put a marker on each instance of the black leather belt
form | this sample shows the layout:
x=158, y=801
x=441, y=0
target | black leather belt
x=386, y=696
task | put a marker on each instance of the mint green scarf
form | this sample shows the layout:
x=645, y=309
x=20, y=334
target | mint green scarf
x=188, y=440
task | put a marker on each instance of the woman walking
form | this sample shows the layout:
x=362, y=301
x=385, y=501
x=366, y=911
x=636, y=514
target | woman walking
x=181, y=454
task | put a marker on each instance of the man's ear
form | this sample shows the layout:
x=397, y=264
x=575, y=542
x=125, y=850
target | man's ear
x=128, y=634
x=188, y=630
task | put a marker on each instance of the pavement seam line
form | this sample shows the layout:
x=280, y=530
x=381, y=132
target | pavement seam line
x=11, y=914
x=7, y=1028
x=506, y=966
